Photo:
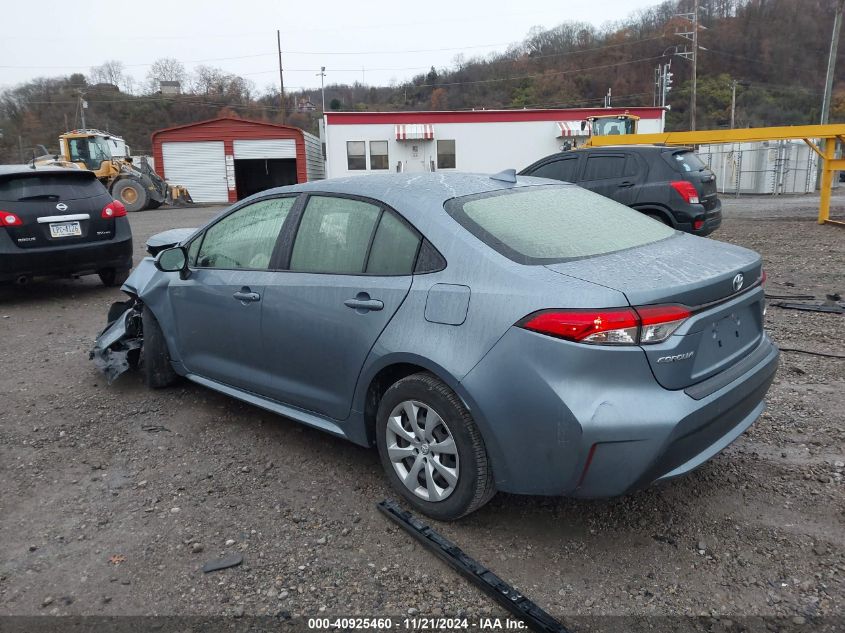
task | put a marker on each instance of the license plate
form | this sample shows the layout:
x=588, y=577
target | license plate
x=65, y=229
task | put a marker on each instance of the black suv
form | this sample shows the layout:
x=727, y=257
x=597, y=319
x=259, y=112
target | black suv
x=670, y=184
x=60, y=222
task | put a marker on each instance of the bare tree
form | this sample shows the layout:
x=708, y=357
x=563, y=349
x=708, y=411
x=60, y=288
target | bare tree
x=165, y=69
x=110, y=72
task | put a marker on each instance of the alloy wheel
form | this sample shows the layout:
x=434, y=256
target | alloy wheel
x=422, y=450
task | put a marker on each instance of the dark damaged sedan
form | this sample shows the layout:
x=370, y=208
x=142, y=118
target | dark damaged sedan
x=486, y=333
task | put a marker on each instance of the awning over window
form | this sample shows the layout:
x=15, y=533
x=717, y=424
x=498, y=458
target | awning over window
x=573, y=128
x=415, y=132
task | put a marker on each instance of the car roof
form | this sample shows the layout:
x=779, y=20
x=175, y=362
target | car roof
x=396, y=189
x=16, y=170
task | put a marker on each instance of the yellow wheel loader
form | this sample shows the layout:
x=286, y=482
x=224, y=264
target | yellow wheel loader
x=137, y=186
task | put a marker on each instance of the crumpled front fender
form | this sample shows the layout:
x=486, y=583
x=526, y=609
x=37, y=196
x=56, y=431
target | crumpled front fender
x=117, y=349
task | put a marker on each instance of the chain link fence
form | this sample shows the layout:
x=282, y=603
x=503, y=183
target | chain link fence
x=768, y=167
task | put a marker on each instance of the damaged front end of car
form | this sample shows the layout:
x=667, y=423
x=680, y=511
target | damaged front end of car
x=118, y=347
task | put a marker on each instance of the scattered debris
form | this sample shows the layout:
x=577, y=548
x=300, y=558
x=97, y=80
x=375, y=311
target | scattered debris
x=154, y=428
x=116, y=559
x=811, y=307
x=232, y=560
x=505, y=595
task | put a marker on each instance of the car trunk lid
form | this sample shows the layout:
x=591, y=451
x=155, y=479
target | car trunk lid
x=720, y=284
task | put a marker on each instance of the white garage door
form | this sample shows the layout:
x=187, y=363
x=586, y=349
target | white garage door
x=198, y=165
x=266, y=148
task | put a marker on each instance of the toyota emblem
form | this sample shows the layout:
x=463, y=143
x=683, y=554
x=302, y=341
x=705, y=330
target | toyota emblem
x=737, y=282
x=61, y=206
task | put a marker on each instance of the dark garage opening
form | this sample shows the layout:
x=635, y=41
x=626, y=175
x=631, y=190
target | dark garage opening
x=254, y=175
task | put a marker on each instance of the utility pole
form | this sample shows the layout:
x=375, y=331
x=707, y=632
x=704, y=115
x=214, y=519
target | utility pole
x=666, y=83
x=692, y=35
x=83, y=105
x=733, y=102
x=831, y=63
x=322, y=76
x=281, y=75
x=694, y=67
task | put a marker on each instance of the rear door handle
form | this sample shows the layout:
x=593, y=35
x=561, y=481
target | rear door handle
x=245, y=295
x=362, y=303
x=626, y=183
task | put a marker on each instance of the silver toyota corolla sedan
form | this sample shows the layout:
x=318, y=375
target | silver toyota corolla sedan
x=485, y=333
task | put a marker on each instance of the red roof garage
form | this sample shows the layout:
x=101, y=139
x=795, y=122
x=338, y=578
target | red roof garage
x=227, y=159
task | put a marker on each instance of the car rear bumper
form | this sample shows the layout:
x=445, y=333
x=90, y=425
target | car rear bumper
x=559, y=419
x=685, y=217
x=71, y=259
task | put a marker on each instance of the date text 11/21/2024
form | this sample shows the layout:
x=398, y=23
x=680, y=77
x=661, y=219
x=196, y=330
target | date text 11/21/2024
x=417, y=623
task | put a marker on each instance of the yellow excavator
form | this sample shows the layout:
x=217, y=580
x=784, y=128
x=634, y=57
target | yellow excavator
x=136, y=185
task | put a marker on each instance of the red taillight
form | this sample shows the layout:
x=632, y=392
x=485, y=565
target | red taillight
x=697, y=224
x=687, y=190
x=659, y=322
x=113, y=209
x=7, y=218
x=621, y=326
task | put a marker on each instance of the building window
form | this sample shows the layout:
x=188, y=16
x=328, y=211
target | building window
x=356, y=155
x=446, y=154
x=378, y=155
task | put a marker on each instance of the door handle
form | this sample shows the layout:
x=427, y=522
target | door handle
x=626, y=183
x=245, y=295
x=362, y=303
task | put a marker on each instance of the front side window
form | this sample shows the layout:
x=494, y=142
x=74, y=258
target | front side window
x=356, y=155
x=246, y=238
x=378, y=155
x=555, y=223
x=334, y=236
x=446, y=154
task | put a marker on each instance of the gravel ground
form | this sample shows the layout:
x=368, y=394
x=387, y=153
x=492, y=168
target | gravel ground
x=114, y=496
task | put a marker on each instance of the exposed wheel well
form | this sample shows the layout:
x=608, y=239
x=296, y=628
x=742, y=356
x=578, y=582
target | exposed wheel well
x=380, y=383
x=663, y=214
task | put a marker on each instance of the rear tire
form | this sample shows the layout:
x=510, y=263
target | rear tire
x=155, y=357
x=131, y=193
x=659, y=218
x=439, y=413
x=113, y=276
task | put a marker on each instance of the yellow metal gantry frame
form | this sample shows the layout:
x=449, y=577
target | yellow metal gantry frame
x=827, y=134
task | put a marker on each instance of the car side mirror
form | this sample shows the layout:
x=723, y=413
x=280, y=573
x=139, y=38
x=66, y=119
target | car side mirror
x=172, y=260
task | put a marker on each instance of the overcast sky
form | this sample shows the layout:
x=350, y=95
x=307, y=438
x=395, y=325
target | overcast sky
x=370, y=41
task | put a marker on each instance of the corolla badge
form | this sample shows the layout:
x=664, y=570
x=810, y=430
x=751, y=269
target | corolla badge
x=61, y=206
x=676, y=357
x=738, y=281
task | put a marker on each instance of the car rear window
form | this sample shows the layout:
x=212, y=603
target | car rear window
x=543, y=225
x=686, y=161
x=50, y=187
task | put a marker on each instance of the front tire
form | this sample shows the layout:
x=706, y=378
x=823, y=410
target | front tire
x=113, y=276
x=155, y=357
x=131, y=193
x=431, y=449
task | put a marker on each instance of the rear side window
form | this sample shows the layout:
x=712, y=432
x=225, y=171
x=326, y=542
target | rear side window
x=50, y=187
x=542, y=225
x=564, y=169
x=334, y=236
x=394, y=247
x=604, y=167
x=685, y=161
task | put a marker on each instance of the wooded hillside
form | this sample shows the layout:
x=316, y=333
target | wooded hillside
x=777, y=48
